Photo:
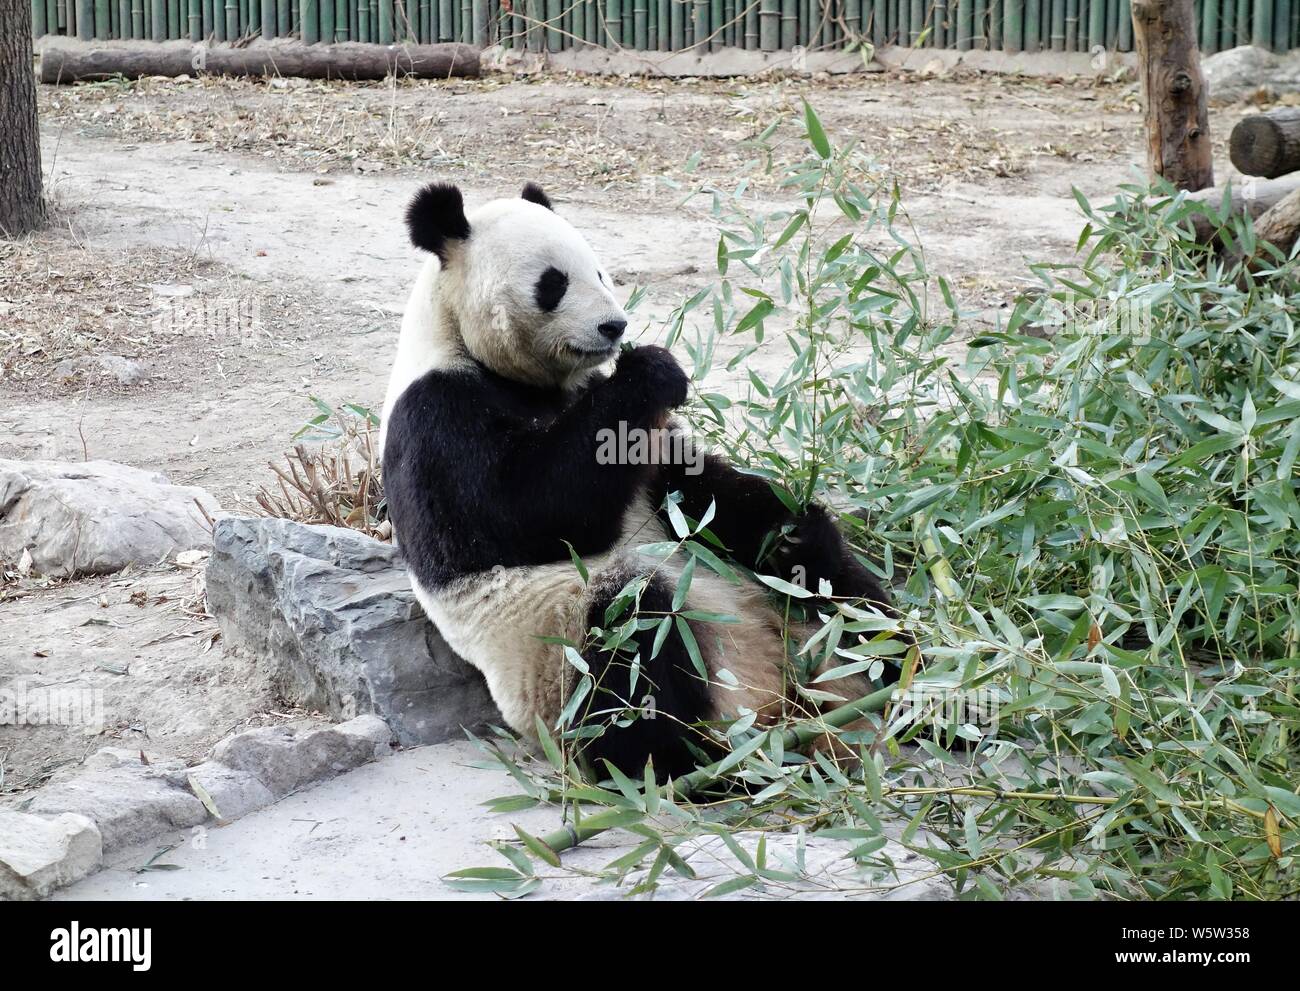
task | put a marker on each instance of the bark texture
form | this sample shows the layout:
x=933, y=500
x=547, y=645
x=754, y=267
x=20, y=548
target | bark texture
x=22, y=207
x=1174, y=91
x=69, y=62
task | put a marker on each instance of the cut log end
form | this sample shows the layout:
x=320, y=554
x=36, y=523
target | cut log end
x=1267, y=145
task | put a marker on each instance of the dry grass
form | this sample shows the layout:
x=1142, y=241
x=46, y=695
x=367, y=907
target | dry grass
x=61, y=301
x=340, y=484
x=606, y=130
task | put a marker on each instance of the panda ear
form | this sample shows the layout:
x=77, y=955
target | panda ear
x=436, y=216
x=533, y=194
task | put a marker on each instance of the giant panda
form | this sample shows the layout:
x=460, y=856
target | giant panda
x=510, y=364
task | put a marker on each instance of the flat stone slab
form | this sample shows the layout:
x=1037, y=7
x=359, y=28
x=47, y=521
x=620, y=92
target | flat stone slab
x=331, y=614
x=132, y=802
x=96, y=517
x=38, y=855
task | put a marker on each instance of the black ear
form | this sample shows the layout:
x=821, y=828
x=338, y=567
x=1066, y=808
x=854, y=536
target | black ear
x=435, y=216
x=533, y=194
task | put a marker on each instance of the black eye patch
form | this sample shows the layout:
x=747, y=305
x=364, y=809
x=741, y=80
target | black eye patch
x=550, y=289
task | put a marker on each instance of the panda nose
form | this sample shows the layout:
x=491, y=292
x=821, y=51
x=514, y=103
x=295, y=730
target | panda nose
x=612, y=329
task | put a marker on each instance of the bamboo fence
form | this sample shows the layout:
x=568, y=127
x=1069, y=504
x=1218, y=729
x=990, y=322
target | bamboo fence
x=668, y=25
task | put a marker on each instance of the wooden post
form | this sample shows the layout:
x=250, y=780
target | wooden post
x=1177, y=122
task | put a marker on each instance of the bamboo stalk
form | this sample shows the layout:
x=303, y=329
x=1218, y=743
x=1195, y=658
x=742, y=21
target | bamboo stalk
x=1013, y=24
x=1262, y=23
x=979, y=26
x=1243, y=21
x=1033, y=25
x=799, y=735
x=663, y=14
x=769, y=25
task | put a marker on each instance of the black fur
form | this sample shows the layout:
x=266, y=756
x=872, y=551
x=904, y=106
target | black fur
x=437, y=215
x=550, y=289
x=749, y=519
x=481, y=471
x=533, y=194
x=669, y=698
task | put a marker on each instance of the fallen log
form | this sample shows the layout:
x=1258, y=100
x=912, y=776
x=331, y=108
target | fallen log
x=1249, y=196
x=1267, y=144
x=1280, y=224
x=69, y=62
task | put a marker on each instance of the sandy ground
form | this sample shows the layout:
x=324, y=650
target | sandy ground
x=288, y=196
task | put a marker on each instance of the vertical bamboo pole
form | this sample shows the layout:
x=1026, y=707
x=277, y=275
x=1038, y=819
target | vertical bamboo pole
x=652, y=25
x=92, y=23
x=751, y=25
x=915, y=22
x=963, y=32
x=1096, y=24
x=995, y=25
x=979, y=25
x=663, y=14
x=1058, y=25
x=614, y=23
x=1282, y=25
x=1262, y=23
x=1033, y=25
x=1209, y=36
x=1013, y=24
x=676, y=25
x=715, y=25
x=38, y=18
x=1243, y=21
x=1125, y=40
x=769, y=25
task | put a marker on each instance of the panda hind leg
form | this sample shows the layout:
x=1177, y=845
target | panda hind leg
x=653, y=719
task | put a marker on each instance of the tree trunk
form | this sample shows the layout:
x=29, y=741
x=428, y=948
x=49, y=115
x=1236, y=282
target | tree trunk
x=67, y=62
x=1267, y=144
x=21, y=207
x=1169, y=65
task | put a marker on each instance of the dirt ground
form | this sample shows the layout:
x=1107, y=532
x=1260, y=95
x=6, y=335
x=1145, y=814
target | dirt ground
x=286, y=197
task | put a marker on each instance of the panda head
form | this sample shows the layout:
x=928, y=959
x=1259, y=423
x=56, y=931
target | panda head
x=524, y=290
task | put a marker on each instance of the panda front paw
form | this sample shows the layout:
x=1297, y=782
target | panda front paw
x=653, y=373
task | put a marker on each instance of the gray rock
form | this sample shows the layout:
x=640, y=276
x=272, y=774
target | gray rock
x=827, y=871
x=332, y=613
x=132, y=802
x=96, y=517
x=285, y=758
x=129, y=801
x=123, y=371
x=38, y=855
x=235, y=793
x=1240, y=73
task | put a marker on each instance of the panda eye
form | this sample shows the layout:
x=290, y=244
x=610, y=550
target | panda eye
x=550, y=289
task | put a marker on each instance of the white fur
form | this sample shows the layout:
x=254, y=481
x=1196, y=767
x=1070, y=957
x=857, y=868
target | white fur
x=481, y=306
